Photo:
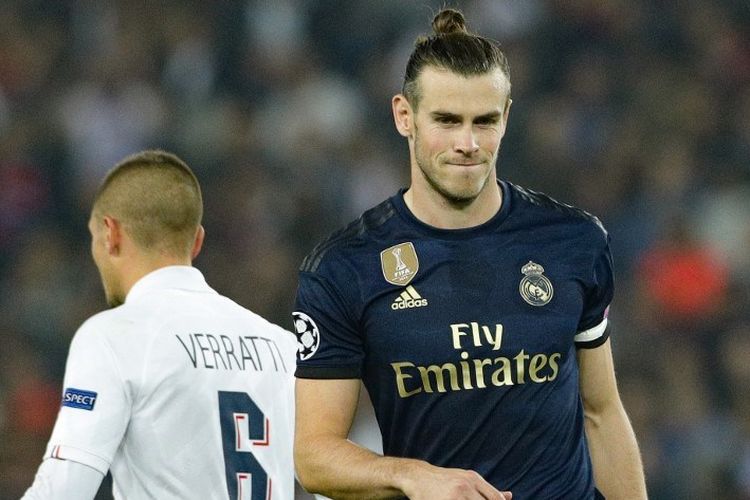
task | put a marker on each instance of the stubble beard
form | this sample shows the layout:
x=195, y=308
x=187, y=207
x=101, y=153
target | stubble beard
x=458, y=198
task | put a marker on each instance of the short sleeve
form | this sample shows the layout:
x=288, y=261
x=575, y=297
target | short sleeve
x=328, y=342
x=63, y=480
x=593, y=327
x=95, y=407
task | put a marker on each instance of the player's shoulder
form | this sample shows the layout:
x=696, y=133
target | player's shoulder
x=102, y=328
x=554, y=211
x=110, y=320
x=351, y=238
x=265, y=324
x=256, y=322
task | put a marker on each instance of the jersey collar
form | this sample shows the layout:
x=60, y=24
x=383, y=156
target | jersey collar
x=456, y=234
x=170, y=278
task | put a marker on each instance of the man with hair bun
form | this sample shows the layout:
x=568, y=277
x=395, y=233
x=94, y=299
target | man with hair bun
x=474, y=311
x=177, y=390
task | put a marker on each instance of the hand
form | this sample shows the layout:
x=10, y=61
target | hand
x=428, y=482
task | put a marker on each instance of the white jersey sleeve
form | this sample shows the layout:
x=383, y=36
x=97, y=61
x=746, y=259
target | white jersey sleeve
x=64, y=480
x=95, y=404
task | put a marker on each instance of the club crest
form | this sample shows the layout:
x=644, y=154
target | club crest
x=399, y=263
x=535, y=288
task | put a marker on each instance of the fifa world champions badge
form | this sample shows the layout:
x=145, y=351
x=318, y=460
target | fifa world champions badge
x=399, y=263
x=535, y=288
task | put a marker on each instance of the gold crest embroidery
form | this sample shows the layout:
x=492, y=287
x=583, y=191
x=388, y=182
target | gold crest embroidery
x=535, y=288
x=399, y=263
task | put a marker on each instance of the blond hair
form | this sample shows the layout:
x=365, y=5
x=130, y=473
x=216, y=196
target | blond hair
x=157, y=199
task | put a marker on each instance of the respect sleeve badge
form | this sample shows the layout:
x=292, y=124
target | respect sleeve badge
x=77, y=398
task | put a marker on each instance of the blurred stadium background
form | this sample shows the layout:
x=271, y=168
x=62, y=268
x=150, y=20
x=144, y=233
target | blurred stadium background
x=636, y=110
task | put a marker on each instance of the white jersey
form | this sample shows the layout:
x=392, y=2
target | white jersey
x=182, y=394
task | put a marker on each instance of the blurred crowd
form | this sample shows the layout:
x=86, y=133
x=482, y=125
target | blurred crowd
x=635, y=110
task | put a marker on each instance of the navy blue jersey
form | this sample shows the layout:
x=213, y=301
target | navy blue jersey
x=466, y=339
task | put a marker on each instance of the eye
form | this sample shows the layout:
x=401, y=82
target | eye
x=446, y=119
x=486, y=122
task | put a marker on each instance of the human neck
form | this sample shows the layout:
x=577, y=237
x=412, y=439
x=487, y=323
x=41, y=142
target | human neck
x=434, y=209
x=132, y=270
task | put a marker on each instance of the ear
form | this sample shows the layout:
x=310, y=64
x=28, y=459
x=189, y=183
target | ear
x=200, y=235
x=112, y=234
x=506, y=113
x=403, y=115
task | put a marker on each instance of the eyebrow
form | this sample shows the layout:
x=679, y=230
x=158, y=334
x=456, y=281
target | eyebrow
x=492, y=115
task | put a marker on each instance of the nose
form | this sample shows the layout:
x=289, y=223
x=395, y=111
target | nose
x=466, y=141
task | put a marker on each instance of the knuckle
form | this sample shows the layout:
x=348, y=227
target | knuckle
x=460, y=485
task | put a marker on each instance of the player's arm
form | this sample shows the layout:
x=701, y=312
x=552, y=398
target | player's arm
x=93, y=416
x=618, y=471
x=64, y=480
x=329, y=464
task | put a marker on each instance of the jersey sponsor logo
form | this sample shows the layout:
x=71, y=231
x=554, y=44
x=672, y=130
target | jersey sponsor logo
x=535, y=288
x=408, y=299
x=77, y=398
x=399, y=263
x=308, y=335
x=474, y=367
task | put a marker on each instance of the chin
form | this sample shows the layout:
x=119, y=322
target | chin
x=467, y=187
x=464, y=193
x=461, y=196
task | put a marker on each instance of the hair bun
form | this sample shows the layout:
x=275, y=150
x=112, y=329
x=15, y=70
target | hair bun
x=449, y=21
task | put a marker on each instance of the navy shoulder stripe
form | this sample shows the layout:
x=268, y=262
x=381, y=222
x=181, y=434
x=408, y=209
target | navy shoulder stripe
x=543, y=200
x=369, y=220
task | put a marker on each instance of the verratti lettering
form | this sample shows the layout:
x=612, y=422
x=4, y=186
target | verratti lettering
x=227, y=352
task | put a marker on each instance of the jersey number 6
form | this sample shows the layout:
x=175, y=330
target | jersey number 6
x=243, y=426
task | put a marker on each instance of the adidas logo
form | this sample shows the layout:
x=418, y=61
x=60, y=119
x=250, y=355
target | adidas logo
x=409, y=298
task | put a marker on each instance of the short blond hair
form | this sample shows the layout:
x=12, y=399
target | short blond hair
x=157, y=198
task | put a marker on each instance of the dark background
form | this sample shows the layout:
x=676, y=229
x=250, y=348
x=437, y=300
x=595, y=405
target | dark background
x=635, y=110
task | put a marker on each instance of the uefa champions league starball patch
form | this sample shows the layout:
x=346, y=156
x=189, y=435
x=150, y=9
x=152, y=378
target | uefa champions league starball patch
x=535, y=288
x=308, y=336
